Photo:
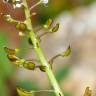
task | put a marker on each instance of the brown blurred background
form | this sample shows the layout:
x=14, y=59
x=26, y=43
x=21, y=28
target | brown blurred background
x=77, y=20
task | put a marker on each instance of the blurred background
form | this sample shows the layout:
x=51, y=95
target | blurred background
x=77, y=20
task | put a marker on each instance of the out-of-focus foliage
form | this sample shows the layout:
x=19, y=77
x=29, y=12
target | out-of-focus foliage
x=5, y=67
x=63, y=72
x=28, y=85
x=55, y=7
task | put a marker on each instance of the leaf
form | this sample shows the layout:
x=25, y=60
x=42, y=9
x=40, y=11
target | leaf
x=63, y=72
x=48, y=23
x=67, y=52
x=55, y=28
x=23, y=92
x=88, y=92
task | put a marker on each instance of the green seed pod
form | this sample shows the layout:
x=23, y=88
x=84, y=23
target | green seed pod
x=12, y=58
x=23, y=92
x=55, y=28
x=67, y=52
x=42, y=68
x=48, y=23
x=88, y=92
x=28, y=64
x=9, y=51
x=21, y=26
x=19, y=62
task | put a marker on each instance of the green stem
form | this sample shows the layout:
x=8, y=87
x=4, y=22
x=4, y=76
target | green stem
x=39, y=52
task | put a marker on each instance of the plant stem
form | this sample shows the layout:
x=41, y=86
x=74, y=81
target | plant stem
x=39, y=52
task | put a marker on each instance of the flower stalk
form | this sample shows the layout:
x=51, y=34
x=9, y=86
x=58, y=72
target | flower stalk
x=38, y=50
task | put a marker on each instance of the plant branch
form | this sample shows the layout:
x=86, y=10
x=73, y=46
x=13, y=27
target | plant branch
x=39, y=52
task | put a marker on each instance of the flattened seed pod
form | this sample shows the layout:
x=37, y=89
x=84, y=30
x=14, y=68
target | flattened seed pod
x=29, y=64
x=23, y=92
x=21, y=26
x=19, y=62
x=9, y=51
x=48, y=23
x=42, y=68
x=55, y=28
x=12, y=58
x=67, y=52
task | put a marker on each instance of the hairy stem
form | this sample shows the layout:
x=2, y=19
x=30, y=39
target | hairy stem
x=39, y=52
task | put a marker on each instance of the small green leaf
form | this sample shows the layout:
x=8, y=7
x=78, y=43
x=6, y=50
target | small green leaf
x=55, y=28
x=48, y=23
x=29, y=64
x=67, y=52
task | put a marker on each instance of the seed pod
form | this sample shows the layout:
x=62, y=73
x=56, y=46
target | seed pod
x=9, y=51
x=67, y=52
x=29, y=64
x=55, y=28
x=12, y=58
x=42, y=68
x=23, y=92
x=48, y=23
x=88, y=92
x=21, y=26
x=19, y=62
